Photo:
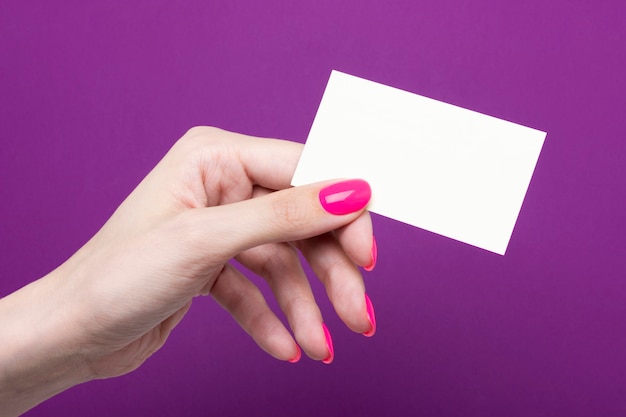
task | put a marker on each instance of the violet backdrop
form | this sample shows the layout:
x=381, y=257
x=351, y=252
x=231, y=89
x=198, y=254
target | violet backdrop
x=92, y=94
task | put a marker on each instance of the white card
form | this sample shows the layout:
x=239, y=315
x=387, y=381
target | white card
x=430, y=164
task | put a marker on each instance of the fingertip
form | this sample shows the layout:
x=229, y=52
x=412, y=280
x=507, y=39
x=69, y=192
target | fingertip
x=357, y=240
x=371, y=317
x=373, y=256
x=312, y=339
x=297, y=356
x=329, y=345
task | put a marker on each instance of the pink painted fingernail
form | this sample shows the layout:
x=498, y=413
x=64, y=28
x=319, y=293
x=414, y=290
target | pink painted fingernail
x=329, y=346
x=297, y=357
x=370, y=316
x=374, y=256
x=345, y=197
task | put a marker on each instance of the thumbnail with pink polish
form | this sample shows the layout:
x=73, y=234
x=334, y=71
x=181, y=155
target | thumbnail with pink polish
x=345, y=197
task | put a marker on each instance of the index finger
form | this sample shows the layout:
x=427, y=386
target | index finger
x=268, y=162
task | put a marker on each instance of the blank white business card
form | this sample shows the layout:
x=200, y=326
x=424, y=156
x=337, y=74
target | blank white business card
x=430, y=164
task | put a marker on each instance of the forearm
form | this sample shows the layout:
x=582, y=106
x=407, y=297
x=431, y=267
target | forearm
x=39, y=352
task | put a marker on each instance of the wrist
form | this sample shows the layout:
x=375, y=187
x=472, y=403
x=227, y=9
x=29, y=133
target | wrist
x=41, y=353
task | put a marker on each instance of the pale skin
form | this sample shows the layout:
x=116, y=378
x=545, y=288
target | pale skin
x=214, y=197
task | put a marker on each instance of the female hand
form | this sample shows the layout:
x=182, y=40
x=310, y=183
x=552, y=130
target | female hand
x=214, y=197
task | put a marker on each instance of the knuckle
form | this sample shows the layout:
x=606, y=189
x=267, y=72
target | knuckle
x=298, y=303
x=201, y=131
x=279, y=258
x=291, y=214
x=199, y=136
x=202, y=146
x=332, y=269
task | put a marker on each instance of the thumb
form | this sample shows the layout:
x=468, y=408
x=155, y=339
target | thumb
x=282, y=216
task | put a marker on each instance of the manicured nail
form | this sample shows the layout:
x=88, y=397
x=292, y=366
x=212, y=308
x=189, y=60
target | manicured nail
x=374, y=256
x=345, y=197
x=297, y=357
x=370, y=316
x=329, y=346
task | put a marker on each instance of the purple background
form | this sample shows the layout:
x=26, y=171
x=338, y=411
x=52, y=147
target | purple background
x=92, y=94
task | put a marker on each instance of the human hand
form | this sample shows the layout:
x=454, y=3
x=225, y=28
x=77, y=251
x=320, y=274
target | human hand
x=211, y=199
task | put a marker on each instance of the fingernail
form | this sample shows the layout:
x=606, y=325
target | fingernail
x=345, y=197
x=297, y=357
x=374, y=256
x=329, y=346
x=370, y=316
